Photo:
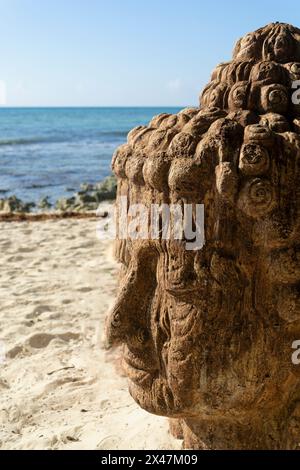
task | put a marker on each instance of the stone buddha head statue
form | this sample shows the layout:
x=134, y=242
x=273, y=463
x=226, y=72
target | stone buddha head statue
x=208, y=332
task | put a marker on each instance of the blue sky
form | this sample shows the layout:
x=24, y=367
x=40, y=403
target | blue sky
x=122, y=52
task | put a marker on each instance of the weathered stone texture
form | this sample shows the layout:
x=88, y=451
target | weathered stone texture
x=207, y=334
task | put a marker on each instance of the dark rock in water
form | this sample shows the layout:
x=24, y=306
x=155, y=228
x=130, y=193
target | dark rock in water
x=44, y=203
x=70, y=189
x=75, y=204
x=86, y=207
x=106, y=190
x=84, y=202
x=14, y=204
x=28, y=206
x=89, y=196
x=108, y=186
x=85, y=198
x=65, y=204
x=86, y=187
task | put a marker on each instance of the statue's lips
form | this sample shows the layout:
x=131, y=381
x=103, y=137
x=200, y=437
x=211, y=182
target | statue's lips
x=177, y=288
x=136, y=374
x=180, y=290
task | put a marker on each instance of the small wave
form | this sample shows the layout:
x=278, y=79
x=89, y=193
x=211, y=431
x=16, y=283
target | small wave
x=41, y=185
x=29, y=141
x=59, y=139
x=115, y=133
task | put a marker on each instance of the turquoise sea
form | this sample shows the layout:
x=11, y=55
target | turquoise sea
x=50, y=151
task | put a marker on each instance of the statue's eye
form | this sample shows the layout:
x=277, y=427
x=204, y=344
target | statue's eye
x=116, y=319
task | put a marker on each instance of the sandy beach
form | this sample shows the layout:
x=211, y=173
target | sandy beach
x=60, y=389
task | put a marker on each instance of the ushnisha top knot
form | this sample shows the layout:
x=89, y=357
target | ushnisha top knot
x=234, y=144
x=276, y=41
x=261, y=75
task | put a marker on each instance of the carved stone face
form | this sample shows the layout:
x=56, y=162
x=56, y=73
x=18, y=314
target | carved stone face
x=199, y=327
x=207, y=333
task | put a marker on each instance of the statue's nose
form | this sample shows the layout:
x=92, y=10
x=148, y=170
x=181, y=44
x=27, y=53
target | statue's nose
x=116, y=326
x=119, y=330
x=127, y=320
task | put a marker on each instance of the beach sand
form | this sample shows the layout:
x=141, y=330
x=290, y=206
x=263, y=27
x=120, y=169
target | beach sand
x=59, y=388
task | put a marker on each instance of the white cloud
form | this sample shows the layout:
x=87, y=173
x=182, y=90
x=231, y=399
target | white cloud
x=174, y=85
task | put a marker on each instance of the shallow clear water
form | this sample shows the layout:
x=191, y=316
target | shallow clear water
x=50, y=151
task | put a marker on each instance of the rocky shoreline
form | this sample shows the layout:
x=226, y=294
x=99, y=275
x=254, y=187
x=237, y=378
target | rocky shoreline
x=86, y=199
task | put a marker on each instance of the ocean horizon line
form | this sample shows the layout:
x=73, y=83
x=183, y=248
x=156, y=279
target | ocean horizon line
x=96, y=107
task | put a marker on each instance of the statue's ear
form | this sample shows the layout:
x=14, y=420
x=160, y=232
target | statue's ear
x=227, y=181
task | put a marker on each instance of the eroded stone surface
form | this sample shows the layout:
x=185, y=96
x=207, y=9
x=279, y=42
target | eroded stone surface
x=207, y=334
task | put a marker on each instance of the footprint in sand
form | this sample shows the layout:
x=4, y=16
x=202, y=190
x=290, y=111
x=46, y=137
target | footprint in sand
x=83, y=233
x=54, y=384
x=84, y=245
x=13, y=272
x=41, y=340
x=104, y=404
x=15, y=258
x=108, y=443
x=26, y=249
x=14, y=352
x=85, y=289
x=38, y=311
x=5, y=244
